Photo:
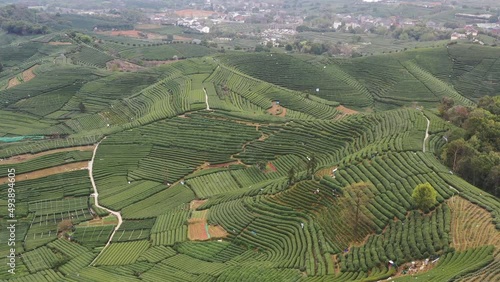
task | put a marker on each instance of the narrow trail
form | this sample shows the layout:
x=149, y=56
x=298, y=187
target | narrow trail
x=96, y=197
x=206, y=98
x=426, y=133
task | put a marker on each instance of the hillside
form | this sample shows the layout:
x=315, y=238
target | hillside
x=422, y=76
x=234, y=167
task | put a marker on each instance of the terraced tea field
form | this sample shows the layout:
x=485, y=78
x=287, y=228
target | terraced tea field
x=240, y=166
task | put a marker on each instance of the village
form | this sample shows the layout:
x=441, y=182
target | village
x=276, y=25
x=290, y=23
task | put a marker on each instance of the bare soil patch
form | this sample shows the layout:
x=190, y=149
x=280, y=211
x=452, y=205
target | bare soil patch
x=197, y=230
x=196, y=203
x=27, y=157
x=270, y=167
x=28, y=74
x=147, y=26
x=414, y=268
x=194, y=13
x=48, y=171
x=471, y=225
x=326, y=171
x=336, y=263
x=99, y=221
x=207, y=165
x=13, y=82
x=122, y=65
x=225, y=164
x=346, y=111
x=257, y=125
x=129, y=33
x=134, y=34
x=277, y=110
x=59, y=43
x=182, y=38
x=263, y=137
x=197, y=226
x=216, y=231
x=159, y=63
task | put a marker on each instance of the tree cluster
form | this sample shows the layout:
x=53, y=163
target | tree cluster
x=424, y=196
x=473, y=150
x=20, y=21
x=418, y=33
x=310, y=47
x=24, y=28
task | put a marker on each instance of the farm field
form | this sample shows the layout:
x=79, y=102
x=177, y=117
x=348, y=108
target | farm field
x=227, y=166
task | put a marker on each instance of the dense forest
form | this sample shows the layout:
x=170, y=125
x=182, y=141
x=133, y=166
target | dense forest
x=473, y=150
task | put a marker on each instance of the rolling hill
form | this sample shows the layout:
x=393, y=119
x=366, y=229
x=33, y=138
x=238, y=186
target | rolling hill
x=240, y=166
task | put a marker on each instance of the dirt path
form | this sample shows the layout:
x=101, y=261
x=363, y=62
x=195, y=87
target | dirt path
x=58, y=43
x=206, y=99
x=96, y=198
x=426, y=133
x=47, y=172
x=27, y=157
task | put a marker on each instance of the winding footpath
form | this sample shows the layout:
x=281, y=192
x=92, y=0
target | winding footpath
x=96, y=197
x=425, y=140
x=206, y=98
x=426, y=132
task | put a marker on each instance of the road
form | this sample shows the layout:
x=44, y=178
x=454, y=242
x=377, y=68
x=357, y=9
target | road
x=96, y=198
x=206, y=99
x=426, y=133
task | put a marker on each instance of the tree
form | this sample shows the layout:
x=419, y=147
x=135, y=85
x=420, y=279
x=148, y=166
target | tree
x=1, y=67
x=312, y=163
x=64, y=226
x=424, y=196
x=451, y=25
x=493, y=180
x=82, y=107
x=457, y=115
x=491, y=104
x=288, y=47
x=85, y=38
x=359, y=198
x=259, y=48
x=445, y=105
x=261, y=165
x=291, y=176
x=456, y=151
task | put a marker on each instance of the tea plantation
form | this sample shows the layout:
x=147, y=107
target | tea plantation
x=239, y=166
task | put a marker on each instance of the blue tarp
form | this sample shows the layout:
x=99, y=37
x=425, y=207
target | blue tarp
x=21, y=138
